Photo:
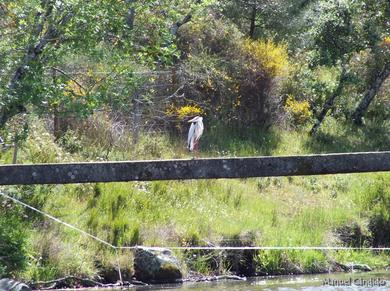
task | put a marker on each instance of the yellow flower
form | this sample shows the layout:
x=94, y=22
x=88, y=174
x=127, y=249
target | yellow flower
x=183, y=111
x=299, y=110
x=386, y=40
x=273, y=57
x=73, y=89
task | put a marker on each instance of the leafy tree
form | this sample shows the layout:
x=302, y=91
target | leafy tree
x=379, y=75
x=267, y=19
x=336, y=38
x=376, y=31
x=43, y=34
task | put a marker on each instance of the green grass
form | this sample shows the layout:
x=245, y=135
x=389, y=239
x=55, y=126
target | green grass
x=294, y=211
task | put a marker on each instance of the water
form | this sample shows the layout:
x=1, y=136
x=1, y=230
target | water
x=360, y=281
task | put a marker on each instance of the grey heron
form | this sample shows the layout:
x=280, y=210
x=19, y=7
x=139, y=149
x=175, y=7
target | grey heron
x=194, y=134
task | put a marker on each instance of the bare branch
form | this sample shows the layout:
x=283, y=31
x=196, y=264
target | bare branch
x=68, y=76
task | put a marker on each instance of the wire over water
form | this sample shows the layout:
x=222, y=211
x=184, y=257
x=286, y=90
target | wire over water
x=304, y=248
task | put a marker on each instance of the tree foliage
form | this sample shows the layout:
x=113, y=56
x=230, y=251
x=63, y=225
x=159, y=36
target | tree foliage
x=44, y=34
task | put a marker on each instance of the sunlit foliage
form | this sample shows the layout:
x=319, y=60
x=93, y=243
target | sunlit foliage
x=271, y=56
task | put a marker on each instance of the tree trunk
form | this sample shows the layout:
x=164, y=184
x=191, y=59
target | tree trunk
x=136, y=120
x=177, y=25
x=329, y=102
x=130, y=17
x=15, y=155
x=370, y=94
x=56, y=119
x=253, y=22
x=174, y=28
x=56, y=124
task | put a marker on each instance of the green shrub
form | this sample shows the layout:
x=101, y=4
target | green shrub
x=58, y=252
x=376, y=199
x=13, y=238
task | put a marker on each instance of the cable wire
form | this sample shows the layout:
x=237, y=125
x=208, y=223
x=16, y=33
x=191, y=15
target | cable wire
x=57, y=220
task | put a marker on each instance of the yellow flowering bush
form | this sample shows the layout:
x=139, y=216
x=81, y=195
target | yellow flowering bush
x=273, y=57
x=73, y=89
x=386, y=48
x=386, y=40
x=183, y=112
x=299, y=110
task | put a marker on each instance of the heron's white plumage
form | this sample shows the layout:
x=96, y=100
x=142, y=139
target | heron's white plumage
x=195, y=132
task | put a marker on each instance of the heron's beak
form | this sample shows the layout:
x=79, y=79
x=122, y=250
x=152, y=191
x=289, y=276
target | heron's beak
x=195, y=119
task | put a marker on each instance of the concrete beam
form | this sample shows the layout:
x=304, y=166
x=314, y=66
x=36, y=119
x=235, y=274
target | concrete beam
x=194, y=169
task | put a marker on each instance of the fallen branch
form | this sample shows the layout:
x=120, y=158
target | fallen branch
x=227, y=277
x=73, y=281
x=196, y=277
x=69, y=281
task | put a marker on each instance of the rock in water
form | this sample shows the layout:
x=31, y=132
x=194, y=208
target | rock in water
x=12, y=285
x=359, y=267
x=156, y=265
